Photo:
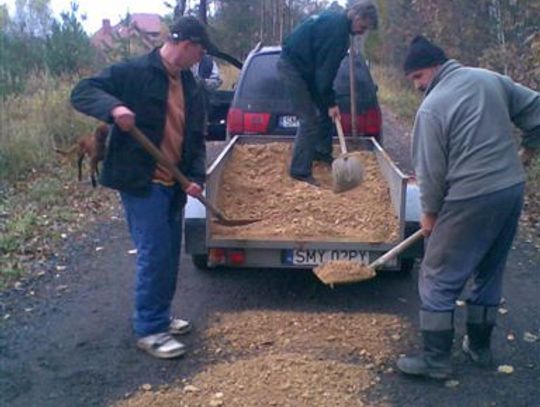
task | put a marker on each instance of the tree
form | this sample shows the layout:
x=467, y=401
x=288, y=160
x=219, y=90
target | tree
x=68, y=46
x=268, y=21
x=33, y=17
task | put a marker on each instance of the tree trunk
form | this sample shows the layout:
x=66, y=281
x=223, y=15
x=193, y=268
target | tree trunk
x=263, y=21
x=180, y=8
x=202, y=11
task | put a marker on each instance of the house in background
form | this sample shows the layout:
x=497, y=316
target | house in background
x=135, y=34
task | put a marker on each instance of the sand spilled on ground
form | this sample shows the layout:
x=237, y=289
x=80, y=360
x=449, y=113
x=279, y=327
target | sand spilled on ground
x=278, y=358
x=267, y=380
x=255, y=185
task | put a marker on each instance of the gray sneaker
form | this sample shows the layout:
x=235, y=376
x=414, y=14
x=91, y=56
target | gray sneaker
x=179, y=326
x=162, y=346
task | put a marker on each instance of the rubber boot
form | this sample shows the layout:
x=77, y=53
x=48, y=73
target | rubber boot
x=434, y=362
x=477, y=343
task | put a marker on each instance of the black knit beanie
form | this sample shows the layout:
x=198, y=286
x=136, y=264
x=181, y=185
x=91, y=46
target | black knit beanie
x=423, y=54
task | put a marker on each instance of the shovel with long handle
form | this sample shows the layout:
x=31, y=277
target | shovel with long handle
x=352, y=87
x=347, y=170
x=183, y=180
x=396, y=250
x=352, y=272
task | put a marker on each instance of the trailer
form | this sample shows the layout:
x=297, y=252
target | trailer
x=209, y=250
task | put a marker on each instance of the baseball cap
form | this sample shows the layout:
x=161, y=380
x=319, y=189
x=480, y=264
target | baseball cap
x=188, y=28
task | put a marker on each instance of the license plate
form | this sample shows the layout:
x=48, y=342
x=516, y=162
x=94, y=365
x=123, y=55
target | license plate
x=313, y=257
x=288, y=121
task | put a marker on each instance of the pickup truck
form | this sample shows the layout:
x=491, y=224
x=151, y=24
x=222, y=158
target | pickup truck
x=210, y=251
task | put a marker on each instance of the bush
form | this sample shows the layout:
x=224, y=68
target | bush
x=35, y=122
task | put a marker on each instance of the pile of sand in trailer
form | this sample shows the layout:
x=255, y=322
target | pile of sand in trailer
x=255, y=185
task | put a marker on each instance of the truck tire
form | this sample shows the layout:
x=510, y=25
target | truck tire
x=200, y=261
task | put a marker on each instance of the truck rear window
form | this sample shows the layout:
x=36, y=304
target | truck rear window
x=261, y=79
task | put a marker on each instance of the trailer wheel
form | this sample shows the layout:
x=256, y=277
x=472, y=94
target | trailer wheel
x=200, y=261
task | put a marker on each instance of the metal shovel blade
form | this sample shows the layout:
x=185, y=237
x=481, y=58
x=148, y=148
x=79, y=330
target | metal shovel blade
x=347, y=272
x=343, y=272
x=347, y=172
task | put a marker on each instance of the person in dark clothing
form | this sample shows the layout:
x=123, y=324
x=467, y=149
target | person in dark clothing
x=207, y=75
x=157, y=93
x=308, y=64
x=471, y=185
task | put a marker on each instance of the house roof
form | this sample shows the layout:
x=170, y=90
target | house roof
x=149, y=23
x=146, y=24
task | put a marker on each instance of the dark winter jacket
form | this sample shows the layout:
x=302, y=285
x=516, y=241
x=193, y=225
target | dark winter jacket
x=315, y=48
x=141, y=85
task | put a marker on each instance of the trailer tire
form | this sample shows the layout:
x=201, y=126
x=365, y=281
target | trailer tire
x=200, y=261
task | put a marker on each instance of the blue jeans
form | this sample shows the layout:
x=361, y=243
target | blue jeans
x=155, y=225
x=471, y=239
x=314, y=135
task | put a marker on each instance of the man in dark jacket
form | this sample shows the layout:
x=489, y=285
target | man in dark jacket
x=471, y=189
x=157, y=93
x=309, y=62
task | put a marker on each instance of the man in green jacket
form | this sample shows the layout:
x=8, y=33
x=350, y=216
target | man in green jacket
x=309, y=62
x=471, y=185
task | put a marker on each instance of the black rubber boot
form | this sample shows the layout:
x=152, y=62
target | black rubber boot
x=477, y=343
x=434, y=362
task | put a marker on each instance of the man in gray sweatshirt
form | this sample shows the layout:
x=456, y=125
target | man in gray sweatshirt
x=471, y=182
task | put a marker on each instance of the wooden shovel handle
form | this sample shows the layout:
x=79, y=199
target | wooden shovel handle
x=352, y=87
x=181, y=178
x=341, y=136
x=393, y=252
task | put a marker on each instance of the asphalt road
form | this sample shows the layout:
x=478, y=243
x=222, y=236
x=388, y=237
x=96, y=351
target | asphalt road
x=68, y=342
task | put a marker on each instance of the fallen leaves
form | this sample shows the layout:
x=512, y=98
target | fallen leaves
x=530, y=337
x=43, y=212
x=505, y=369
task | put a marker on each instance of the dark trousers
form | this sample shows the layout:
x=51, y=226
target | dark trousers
x=314, y=135
x=155, y=225
x=471, y=239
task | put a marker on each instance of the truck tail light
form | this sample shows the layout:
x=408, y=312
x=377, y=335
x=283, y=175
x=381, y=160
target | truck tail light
x=217, y=257
x=235, y=121
x=256, y=122
x=367, y=124
x=346, y=123
x=236, y=257
x=373, y=121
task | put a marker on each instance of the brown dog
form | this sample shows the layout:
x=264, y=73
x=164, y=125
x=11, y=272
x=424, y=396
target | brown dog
x=91, y=145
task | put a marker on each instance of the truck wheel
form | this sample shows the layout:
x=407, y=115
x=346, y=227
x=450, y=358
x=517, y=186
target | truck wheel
x=200, y=261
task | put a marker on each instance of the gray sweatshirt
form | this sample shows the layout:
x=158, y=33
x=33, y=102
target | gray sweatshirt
x=463, y=145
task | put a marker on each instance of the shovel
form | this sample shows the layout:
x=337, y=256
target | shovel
x=184, y=182
x=347, y=171
x=346, y=272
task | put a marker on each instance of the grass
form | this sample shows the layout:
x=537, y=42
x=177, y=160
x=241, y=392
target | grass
x=39, y=195
x=39, y=212
x=395, y=92
x=34, y=123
